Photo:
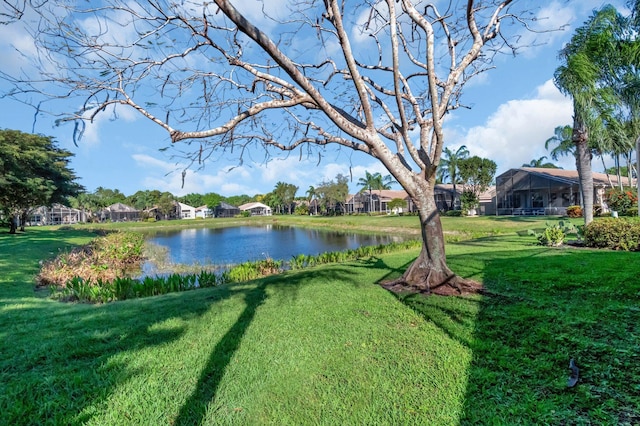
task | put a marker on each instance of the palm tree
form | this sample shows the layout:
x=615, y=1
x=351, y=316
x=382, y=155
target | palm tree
x=311, y=194
x=375, y=181
x=448, y=167
x=579, y=76
x=540, y=163
x=561, y=137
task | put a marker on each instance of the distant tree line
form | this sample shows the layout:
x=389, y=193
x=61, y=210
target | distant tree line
x=327, y=197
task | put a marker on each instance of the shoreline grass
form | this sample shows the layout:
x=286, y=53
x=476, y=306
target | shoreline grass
x=455, y=228
x=327, y=345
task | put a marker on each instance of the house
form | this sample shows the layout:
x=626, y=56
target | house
x=375, y=201
x=378, y=199
x=119, y=212
x=185, y=211
x=56, y=214
x=256, y=209
x=487, y=201
x=540, y=191
x=178, y=211
x=225, y=210
x=204, y=212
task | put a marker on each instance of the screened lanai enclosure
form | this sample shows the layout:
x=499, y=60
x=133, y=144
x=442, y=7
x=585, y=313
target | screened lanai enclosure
x=529, y=191
x=56, y=214
x=119, y=212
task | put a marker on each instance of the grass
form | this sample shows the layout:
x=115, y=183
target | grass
x=328, y=346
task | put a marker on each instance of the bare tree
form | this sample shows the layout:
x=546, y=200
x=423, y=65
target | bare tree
x=376, y=77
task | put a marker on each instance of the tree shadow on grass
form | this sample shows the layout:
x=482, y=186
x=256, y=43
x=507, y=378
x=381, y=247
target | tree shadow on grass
x=542, y=308
x=66, y=360
x=194, y=409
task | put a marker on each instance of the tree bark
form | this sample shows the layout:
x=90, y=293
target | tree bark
x=13, y=225
x=23, y=219
x=453, y=196
x=583, y=164
x=429, y=273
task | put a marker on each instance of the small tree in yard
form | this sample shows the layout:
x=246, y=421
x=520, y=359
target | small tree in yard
x=476, y=174
x=332, y=194
x=397, y=203
x=296, y=77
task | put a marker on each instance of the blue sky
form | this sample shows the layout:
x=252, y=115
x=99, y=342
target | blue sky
x=514, y=109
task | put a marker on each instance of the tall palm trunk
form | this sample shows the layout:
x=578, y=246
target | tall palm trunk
x=583, y=165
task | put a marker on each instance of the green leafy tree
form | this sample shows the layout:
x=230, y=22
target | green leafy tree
x=397, y=203
x=449, y=168
x=285, y=193
x=238, y=200
x=166, y=204
x=211, y=199
x=34, y=171
x=106, y=197
x=85, y=201
x=333, y=194
x=143, y=200
x=192, y=199
x=272, y=200
x=476, y=175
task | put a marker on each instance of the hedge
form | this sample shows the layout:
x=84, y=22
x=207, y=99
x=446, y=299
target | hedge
x=613, y=233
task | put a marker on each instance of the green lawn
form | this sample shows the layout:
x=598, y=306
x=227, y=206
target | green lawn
x=329, y=346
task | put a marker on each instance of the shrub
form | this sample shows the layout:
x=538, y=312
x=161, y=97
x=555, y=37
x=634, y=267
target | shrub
x=616, y=234
x=554, y=234
x=151, y=219
x=302, y=210
x=574, y=211
x=104, y=258
x=621, y=200
x=453, y=213
x=468, y=200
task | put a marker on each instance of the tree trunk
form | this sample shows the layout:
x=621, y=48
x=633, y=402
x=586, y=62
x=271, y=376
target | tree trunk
x=23, y=219
x=604, y=167
x=429, y=273
x=583, y=164
x=618, y=172
x=453, y=196
x=13, y=224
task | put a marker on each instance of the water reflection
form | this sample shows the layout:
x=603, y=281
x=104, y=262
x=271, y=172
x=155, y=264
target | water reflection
x=224, y=246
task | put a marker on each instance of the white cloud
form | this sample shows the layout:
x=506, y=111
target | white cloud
x=147, y=161
x=549, y=24
x=516, y=132
x=17, y=48
x=250, y=179
x=93, y=129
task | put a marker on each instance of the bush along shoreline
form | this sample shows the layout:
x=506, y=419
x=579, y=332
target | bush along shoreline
x=72, y=276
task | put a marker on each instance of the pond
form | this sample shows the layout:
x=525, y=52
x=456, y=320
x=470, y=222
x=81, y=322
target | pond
x=226, y=246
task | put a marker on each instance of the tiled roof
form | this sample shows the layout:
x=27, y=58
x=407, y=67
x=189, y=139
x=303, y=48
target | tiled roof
x=249, y=206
